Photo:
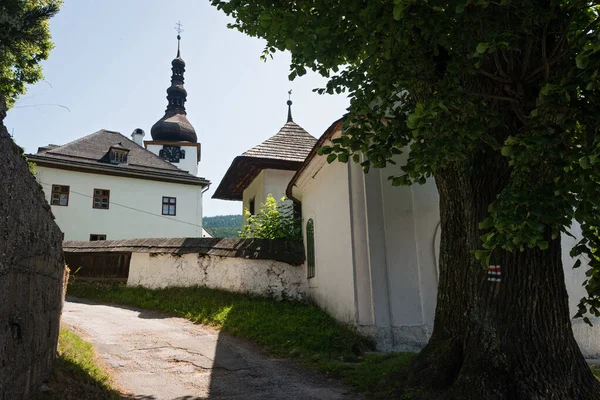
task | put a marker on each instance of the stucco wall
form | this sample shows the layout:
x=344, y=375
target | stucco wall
x=189, y=163
x=135, y=209
x=270, y=278
x=31, y=277
x=325, y=200
x=268, y=181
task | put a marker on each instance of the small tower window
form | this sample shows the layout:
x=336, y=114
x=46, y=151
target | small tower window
x=310, y=249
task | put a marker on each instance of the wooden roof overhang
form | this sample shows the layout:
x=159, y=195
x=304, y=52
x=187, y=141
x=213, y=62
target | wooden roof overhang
x=242, y=172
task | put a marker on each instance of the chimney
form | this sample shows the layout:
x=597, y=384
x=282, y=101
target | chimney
x=138, y=136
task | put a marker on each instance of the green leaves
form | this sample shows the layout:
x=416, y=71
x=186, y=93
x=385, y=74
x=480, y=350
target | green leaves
x=582, y=60
x=455, y=87
x=275, y=220
x=482, y=47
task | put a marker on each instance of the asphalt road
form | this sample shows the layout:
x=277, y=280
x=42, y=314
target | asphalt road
x=153, y=356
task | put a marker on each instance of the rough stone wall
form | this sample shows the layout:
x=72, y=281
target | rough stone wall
x=274, y=279
x=31, y=276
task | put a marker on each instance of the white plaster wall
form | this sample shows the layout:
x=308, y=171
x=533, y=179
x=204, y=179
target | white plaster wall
x=189, y=163
x=268, y=182
x=135, y=209
x=274, y=279
x=588, y=337
x=325, y=200
x=254, y=190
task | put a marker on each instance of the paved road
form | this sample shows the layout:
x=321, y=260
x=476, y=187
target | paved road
x=158, y=357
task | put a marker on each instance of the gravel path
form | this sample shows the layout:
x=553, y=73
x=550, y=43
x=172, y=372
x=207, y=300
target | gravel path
x=155, y=356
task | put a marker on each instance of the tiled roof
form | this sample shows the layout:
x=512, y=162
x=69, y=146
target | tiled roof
x=291, y=143
x=286, y=151
x=90, y=151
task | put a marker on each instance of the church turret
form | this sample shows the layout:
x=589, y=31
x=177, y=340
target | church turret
x=174, y=125
x=173, y=137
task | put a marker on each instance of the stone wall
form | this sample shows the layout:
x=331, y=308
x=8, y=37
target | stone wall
x=31, y=276
x=270, y=278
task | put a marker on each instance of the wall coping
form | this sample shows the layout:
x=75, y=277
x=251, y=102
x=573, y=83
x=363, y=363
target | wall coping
x=259, y=249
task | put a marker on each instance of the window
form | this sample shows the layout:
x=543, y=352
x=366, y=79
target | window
x=118, y=156
x=101, y=197
x=251, y=206
x=310, y=249
x=94, y=237
x=60, y=195
x=169, y=205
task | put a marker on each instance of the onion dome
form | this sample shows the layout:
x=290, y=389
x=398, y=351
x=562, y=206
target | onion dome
x=174, y=125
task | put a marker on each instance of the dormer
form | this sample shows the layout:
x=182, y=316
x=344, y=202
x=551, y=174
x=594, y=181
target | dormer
x=117, y=154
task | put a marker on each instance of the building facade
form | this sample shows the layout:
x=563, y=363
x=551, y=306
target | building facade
x=267, y=168
x=373, y=248
x=105, y=186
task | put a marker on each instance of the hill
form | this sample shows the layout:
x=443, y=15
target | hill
x=223, y=226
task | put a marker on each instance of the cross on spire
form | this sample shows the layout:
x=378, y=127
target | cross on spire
x=178, y=27
x=289, y=103
x=179, y=30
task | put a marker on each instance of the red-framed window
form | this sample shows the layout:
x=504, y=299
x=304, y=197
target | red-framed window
x=101, y=199
x=169, y=205
x=60, y=195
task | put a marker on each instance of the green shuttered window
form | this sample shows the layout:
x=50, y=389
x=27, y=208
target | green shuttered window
x=310, y=248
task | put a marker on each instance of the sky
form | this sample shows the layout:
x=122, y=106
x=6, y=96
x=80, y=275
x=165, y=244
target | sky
x=110, y=69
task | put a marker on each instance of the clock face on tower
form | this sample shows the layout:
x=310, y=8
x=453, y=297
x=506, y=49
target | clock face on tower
x=172, y=153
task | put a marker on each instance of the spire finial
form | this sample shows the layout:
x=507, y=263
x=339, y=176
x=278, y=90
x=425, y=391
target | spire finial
x=179, y=30
x=289, y=103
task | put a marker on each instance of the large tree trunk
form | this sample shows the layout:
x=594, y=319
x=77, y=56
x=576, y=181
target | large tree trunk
x=496, y=340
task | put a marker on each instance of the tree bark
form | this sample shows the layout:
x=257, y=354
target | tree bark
x=496, y=340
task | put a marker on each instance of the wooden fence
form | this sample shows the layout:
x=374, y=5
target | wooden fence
x=102, y=266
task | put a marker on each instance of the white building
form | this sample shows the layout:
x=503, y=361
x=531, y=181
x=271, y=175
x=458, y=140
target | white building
x=105, y=186
x=266, y=168
x=372, y=251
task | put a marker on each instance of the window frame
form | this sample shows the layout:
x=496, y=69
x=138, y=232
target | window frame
x=99, y=237
x=60, y=192
x=101, y=197
x=169, y=203
x=252, y=206
x=310, y=249
x=118, y=156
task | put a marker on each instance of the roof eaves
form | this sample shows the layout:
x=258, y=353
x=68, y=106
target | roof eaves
x=337, y=125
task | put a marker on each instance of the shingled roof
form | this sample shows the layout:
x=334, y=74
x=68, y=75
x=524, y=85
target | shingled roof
x=286, y=150
x=88, y=154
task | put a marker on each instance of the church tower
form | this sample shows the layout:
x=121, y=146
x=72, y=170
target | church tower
x=173, y=137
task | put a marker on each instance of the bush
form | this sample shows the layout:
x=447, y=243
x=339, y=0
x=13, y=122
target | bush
x=275, y=220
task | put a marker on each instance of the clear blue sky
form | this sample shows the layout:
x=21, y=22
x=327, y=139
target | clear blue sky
x=111, y=68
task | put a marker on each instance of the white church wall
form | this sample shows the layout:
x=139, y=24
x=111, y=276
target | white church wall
x=189, y=163
x=325, y=201
x=269, y=278
x=588, y=337
x=255, y=190
x=268, y=181
x=135, y=209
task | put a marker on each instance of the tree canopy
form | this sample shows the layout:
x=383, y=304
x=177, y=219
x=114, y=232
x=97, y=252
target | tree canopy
x=453, y=81
x=24, y=43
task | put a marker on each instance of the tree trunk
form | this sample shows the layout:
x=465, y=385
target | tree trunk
x=496, y=340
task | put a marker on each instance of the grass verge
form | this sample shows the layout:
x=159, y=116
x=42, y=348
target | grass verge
x=76, y=374
x=285, y=328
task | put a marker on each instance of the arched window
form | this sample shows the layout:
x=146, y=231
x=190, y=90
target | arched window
x=310, y=249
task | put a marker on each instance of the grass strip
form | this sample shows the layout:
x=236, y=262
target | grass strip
x=76, y=375
x=290, y=329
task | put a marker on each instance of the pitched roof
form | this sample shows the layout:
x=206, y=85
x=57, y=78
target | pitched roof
x=88, y=153
x=333, y=128
x=291, y=143
x=285, y=150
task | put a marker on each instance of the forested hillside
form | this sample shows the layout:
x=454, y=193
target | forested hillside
x=223, y=226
